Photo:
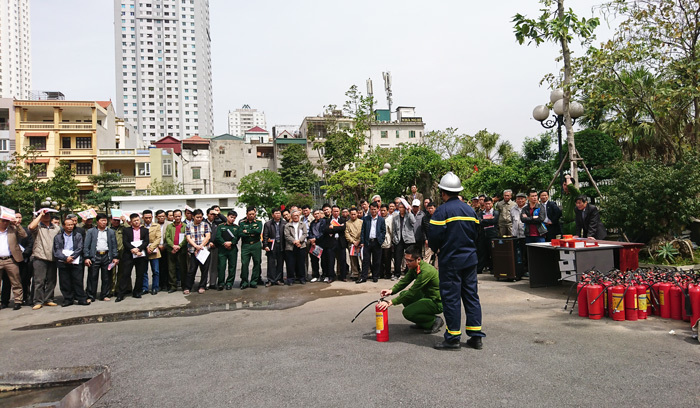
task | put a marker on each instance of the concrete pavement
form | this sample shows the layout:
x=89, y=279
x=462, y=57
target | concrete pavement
x=295, y=346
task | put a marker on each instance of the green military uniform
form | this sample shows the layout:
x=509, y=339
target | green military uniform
x=251, y=247
x=422, y=301
x=120, y=250
x=568, y=216
x=227, y=233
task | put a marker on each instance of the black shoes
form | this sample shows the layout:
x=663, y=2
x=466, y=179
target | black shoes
x=361, y=281
x=475, y=343
x=17, y=306
x=137, y=295
x=66, y=304
x=229, y=287
x=119, y=299
x=437, y=324
x=154, y=292
x=445, y=345
x=144, y=292
x=375, y=280
x=220, y=287
x=85, y=303
x=172, y=290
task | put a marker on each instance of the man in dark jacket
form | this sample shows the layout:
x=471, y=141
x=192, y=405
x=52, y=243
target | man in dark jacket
x=371, y=239
x=135, y=242
x=532, y=215
x=314, y=237
x=333, y=243
x=588, y=224
x=100, y=251
x=552, y=214
x=67, y=250
x=273, y=245
x=488, y=230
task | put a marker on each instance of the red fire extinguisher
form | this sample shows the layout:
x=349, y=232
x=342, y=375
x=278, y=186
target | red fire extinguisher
x=606, y=297
x=617, y=307
x=676, y=295
x=642, y=302
x=582, y=299
x=631, y=302
x=595, y=308
x=684, y=300
x=664, y=300
x=656, y=303
x=382, y=324
x=694, y=292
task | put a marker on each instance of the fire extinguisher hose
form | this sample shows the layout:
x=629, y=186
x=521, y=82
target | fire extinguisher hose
x=363, y=309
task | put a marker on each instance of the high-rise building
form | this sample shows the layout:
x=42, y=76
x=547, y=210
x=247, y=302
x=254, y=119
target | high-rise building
x=163, y=67
x=15, y=49
x=241, y=120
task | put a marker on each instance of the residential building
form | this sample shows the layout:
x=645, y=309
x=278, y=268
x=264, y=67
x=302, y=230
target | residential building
x=407, y=128
x=196, y=174
x=277, y=130
x=7, y=128
x=228, y=163
x=65, y=130
x=241, y=120
x=163, y=67
x=140, y=167
x=15, y=49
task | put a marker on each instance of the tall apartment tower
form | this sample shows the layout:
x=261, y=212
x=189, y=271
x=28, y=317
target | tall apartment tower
x=163, y=67
x=15, y=50
x=244, y=119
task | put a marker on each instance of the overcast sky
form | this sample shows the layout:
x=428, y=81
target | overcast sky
x=456, y=61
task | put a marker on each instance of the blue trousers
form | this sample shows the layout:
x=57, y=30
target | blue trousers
x=155, y=271
x=459, y=286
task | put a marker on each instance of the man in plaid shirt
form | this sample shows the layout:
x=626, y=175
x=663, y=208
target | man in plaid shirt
x=198, y=236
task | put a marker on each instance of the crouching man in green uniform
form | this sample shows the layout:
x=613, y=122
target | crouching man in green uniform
x=227, y=242
x=421, y=301
x=249, y=229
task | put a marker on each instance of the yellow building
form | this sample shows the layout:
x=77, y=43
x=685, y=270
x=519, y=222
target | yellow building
x=65, y=130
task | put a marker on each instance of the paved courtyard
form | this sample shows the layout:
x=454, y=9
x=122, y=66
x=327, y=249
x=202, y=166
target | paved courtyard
x=295, y=346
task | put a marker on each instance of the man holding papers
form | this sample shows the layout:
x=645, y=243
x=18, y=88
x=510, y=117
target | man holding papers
x=176, y=246
x=135, y=244
x=198, y=236
x=67, y=249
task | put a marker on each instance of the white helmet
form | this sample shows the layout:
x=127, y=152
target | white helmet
x=450, y=182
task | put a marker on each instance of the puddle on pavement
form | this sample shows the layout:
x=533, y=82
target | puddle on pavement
x=36, y=397
x=204, y=304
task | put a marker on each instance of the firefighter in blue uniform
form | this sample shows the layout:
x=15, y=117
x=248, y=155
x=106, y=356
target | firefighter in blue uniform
x=453, y=232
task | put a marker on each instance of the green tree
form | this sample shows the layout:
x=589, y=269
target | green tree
x=22, y=189
x=487, y=146
x=300, y=199
x=161, y=187
x=447, y=143
x=417, y=165
x=263, y=189
x=643, y=86
x=347, y=187
x=106, y=187
x=297, y=172
x=63, y=186
x=651, y=198
x=559, y=27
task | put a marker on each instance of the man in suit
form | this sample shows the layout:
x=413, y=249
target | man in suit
x=295, y=234
x=135, y=243
x=372, y=237
x=552, y=214
x=213, y=221
x=154, y=254
x=588, y=224
x=335, y=231
x=25, y=271
x=68, y=248
x=11, y=234
x=273, y=244
x=176, y=246
x=415, y=195
x=353, y=229
x=488, y=230
x=100, y=251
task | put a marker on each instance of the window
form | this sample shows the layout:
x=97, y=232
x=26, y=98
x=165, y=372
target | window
x=167, y=167
x=83, y=142
x=385, y=134
x=83, y=168
x=196, y=191
x=65, y=142
x=227, y=173
x=411, y=134
x=397, y=134
x=39, y=143
x=143, y=169
x=4, y=145
x=196, y=173
x=38, y=168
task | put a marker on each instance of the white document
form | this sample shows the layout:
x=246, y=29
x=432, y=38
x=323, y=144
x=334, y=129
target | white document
x=203, y=255
x=69, y=252
x=136, y=244
x=181, y=240
x=21, y=248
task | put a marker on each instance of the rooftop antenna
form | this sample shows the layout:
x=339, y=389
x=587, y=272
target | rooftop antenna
x=370, y=90
x=387, y=87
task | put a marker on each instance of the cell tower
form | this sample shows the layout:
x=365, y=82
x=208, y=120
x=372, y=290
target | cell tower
x=387, y=87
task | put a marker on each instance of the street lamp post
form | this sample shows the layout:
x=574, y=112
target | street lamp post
x=541, y=114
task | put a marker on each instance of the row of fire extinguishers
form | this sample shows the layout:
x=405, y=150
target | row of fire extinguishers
x=634, y=295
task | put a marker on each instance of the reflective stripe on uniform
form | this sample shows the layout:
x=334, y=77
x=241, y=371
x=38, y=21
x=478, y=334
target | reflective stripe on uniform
x=454, y=333
x=472, y=328
x=451, y=219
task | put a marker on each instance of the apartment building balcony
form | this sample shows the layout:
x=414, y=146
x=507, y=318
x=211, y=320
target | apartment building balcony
x=56, y=127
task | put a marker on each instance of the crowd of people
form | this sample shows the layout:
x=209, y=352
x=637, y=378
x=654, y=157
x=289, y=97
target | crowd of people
x=168, y=248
